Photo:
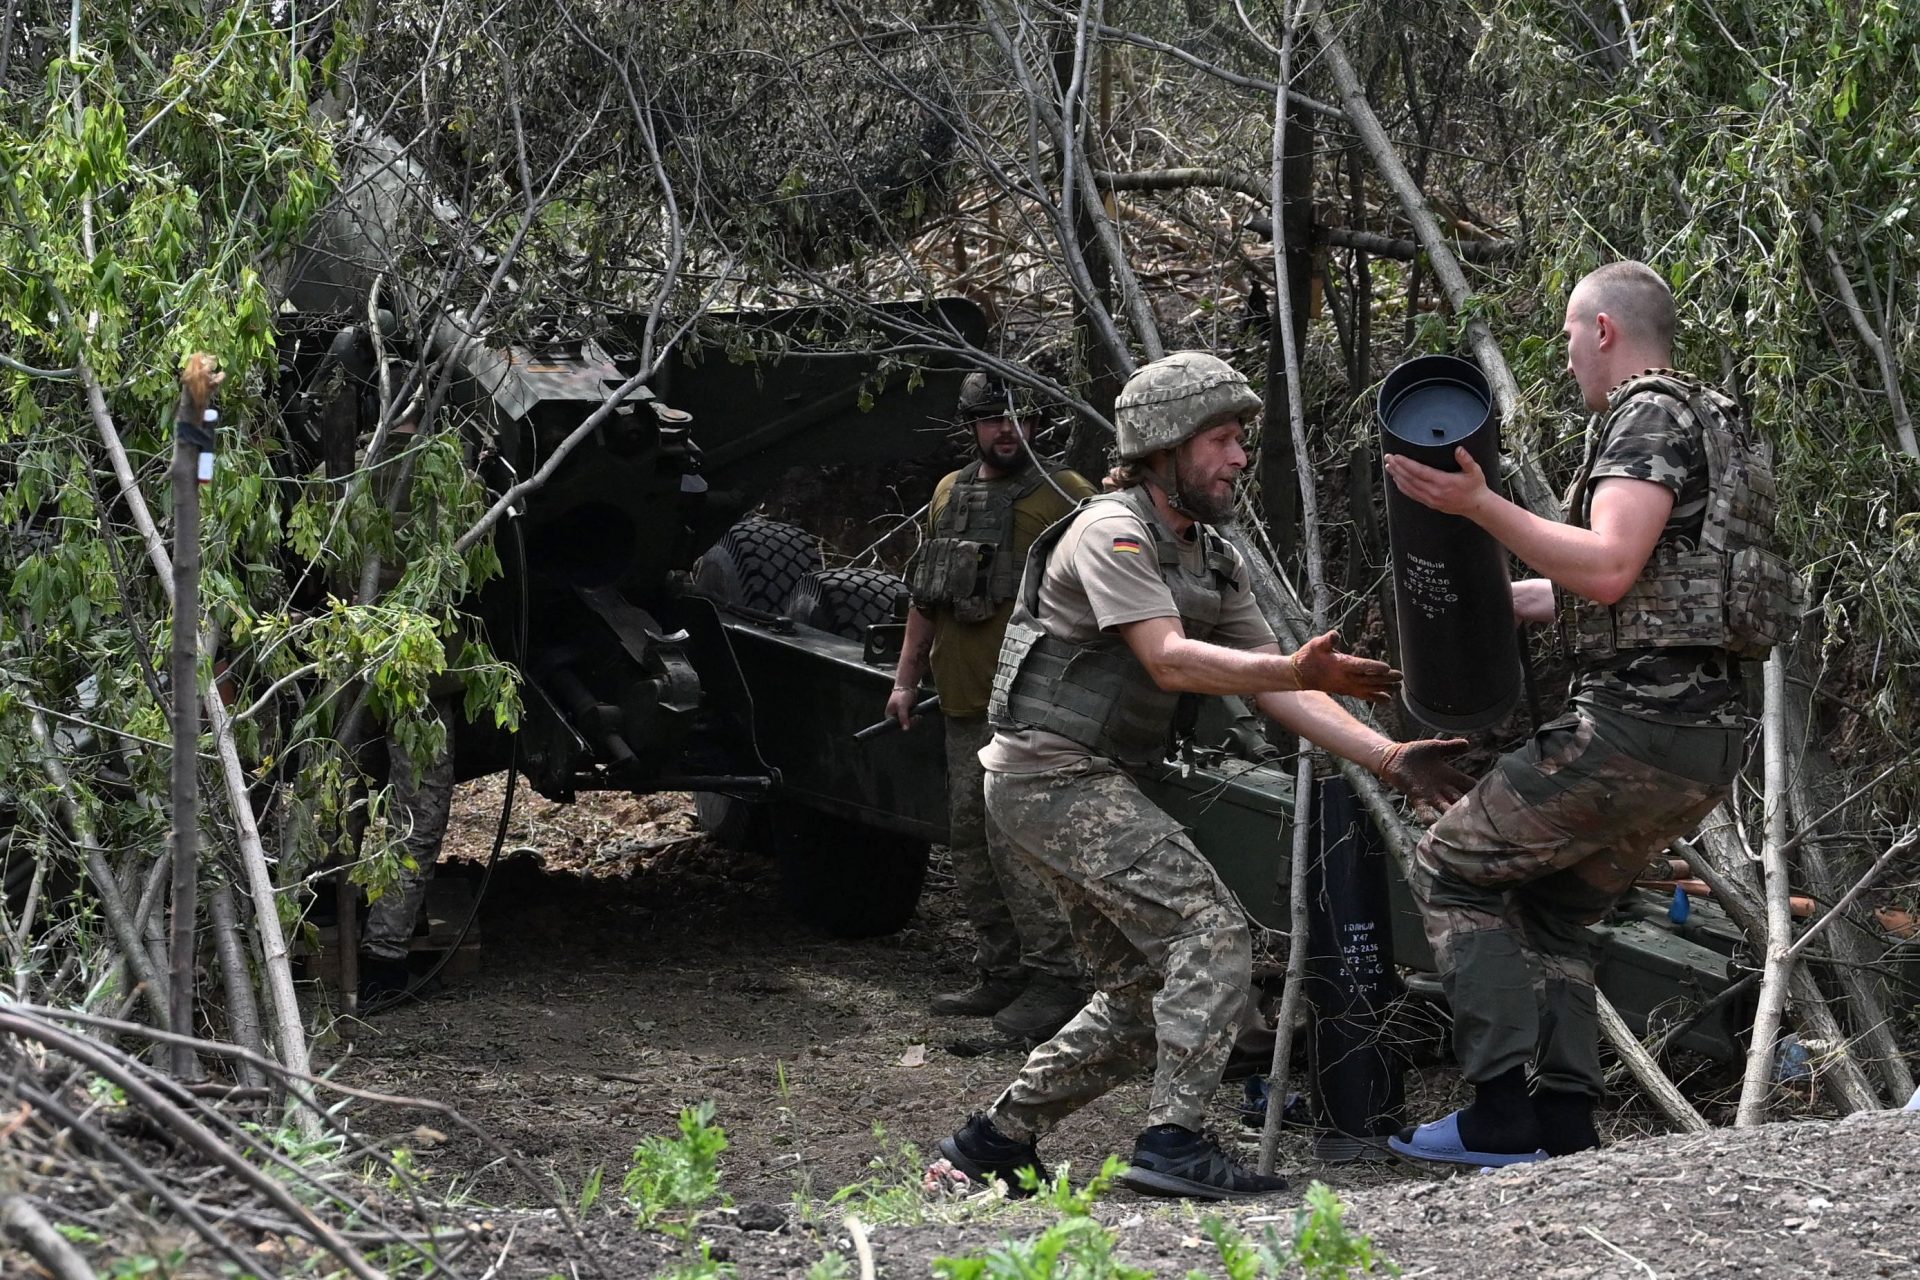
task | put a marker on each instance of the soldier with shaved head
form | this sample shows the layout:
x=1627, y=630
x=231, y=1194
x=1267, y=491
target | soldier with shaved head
x=1664, y=580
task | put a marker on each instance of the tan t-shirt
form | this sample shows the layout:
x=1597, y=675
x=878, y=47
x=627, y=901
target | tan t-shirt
x=1101, y=575
x=964, y=653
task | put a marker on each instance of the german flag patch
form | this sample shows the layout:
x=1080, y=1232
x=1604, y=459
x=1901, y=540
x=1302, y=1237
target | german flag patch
x=1129, y=545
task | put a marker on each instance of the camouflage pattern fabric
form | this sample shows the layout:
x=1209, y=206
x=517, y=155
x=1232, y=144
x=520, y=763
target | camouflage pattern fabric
x=1164, y=941
x=1177, y=396
x=422, y=799
x=1015, y=917
x=1652, y=436
x=1545, y=845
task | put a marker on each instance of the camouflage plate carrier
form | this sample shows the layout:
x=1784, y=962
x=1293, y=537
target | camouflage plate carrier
x=970, y=565
x=1731, y=591
x=1099, y=695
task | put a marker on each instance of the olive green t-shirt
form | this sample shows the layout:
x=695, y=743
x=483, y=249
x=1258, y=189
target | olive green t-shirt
x=1103, y=574
x=964, y=653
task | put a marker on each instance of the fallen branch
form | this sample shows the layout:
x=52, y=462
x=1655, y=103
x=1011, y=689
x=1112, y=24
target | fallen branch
x=1816, y=1015
x=48, y=1247
x=1297, y=924
x=1530, y=485
x=182, y=1125
x=1860, y=886
x=1883, y=359
x=122, y=923
x=291, y=1031
x=1255, y=83
x=1653, y=1080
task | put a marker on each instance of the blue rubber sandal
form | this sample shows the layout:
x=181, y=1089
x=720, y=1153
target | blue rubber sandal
x=1440, y=1142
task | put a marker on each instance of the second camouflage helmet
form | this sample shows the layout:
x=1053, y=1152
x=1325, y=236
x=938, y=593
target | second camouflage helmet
x=1175, y=397
x=983, y=395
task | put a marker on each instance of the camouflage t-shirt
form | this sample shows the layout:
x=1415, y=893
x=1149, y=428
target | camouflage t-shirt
x=1651, y=436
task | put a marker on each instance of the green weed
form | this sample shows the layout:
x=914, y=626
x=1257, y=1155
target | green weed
x=703, y=1267
x=893, y=1196
x=1058, y=1194
x=1320, y=1246
x=671, y=1176
x=144, y=1266
x=833, y=1265
x=589, y=1193
x=1076, y=1248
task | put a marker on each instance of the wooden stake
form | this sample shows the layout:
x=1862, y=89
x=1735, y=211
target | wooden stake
x=1773, y=864
x=192, y=441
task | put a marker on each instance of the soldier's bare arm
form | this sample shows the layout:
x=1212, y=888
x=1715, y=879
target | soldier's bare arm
x=1533, y=600
x=1599, y=563
x=1185, y=665
x=912, y=668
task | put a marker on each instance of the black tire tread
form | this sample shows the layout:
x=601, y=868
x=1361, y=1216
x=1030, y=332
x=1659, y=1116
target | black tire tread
x=847, y=601
x=769, y=560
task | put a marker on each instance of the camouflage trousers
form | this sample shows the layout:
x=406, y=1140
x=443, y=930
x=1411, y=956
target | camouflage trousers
x=1165, y=944
x=1017, y=924
x=1545, y=845
x=422, y=799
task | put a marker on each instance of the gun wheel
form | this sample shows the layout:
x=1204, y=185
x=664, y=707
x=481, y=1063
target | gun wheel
x=847, y=601
x=758, y=564
x=846, y=879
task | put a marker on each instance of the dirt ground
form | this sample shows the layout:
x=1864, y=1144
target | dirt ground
x=629, y=969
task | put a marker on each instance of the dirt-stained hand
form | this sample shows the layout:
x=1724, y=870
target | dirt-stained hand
x=900, y=705
x=1322, y=666
x=1423, y=771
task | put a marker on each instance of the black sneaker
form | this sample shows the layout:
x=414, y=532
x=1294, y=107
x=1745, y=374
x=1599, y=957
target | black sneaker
x=981, y=1152
x=1169, y=1160
x=987, y=996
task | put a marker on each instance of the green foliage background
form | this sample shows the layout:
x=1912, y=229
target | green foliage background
x=1702, y=148
x=157, y=165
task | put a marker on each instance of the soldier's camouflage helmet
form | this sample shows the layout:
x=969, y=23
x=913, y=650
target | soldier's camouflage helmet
x=1175, y=397
x=985, y=396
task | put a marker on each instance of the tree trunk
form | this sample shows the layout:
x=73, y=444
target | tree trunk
x=183, y=671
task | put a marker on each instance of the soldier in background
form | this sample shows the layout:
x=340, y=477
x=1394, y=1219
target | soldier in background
x=1667, y=580
x=421, y=795
x=421, y=801
x=1129, y=604
x=980, y=522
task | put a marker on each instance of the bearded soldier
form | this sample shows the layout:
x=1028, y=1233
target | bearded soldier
x=980, y=523
x=1133, y=601
x=1667, y=582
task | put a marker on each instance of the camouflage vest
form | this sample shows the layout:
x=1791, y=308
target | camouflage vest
x=1729, y=591
x=970, y=564
x=1098, y=694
